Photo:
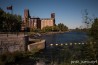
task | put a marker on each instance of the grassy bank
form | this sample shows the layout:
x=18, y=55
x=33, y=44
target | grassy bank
x=60, y=55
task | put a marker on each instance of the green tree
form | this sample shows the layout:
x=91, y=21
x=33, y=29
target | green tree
x=47, y=29
x=94, y=36
x=62, y=27
x=18, y=20
x=9, y=22
x=55, y=28
x=50, y=29
x=94, y=29
x=1, y=19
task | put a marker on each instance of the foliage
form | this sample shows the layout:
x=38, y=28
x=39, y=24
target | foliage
x=90, y=50
x=63, y=55
x=47, y=29
x=94, y=29
x=1, y=19
x=62, y=27
x=59, y=27
x=87, y=20
x=60, y=55
x=9, y=57
x=9, y=22
x=94, y=36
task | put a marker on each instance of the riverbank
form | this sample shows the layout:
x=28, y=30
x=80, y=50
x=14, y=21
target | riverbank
x=50, y=33
x=29, y=33
x=65, y=37
x=40, y=35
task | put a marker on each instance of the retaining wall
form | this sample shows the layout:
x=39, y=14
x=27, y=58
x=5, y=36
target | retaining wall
x=36, y=46
x=11, y=43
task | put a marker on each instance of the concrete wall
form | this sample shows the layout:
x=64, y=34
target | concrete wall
x=11, y=43
x=38, y=45
x=18, y=43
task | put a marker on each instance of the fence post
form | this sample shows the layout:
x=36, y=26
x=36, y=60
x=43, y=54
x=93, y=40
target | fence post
x=26, y=39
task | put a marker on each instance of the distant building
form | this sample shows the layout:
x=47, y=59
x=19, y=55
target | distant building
x=47, y=22
x=36, y=22
x=26, y=19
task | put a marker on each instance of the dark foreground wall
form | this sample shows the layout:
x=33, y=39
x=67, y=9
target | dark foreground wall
x=11, y=43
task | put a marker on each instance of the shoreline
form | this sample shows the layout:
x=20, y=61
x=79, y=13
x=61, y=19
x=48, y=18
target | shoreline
x=50, y=33
x=32, y=33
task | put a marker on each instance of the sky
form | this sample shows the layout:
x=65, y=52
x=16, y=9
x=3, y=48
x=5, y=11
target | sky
x=68, y=12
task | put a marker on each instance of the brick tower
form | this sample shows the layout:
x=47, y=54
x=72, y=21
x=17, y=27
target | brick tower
x=26, y=19
x=53, y=16
x=26, y=16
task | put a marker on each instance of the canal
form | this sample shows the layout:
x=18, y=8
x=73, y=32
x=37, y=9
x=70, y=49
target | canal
x=67, y=37
x=62, y=55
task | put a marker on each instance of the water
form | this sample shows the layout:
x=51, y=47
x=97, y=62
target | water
x=67, y=37
x=53, y=55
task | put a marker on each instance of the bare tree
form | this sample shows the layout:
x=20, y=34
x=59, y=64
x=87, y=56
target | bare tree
x=87, y=20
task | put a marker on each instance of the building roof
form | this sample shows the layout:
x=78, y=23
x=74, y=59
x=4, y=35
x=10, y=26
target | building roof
x=34, y=18
x=47, y=18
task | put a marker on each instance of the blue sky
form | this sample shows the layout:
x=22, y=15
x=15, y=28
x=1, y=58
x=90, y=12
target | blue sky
x=66, y=11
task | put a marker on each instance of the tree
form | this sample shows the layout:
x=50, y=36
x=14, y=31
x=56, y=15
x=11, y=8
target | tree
x=18, y=21
x=50, y=29
x=47, y=29
x=87, y=20
x=1, y=19
x=9, y=22
x=55, y=28
x=62, y=27
x=94, y=29
x=94, y=35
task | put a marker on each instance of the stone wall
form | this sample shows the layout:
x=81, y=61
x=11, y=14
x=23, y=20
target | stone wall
x=11, y=43
x=18, y=43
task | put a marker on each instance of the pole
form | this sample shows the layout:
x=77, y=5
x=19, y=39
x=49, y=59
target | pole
x=12, y=10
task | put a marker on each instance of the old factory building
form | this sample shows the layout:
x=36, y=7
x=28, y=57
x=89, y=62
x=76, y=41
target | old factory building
x=36, y=22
